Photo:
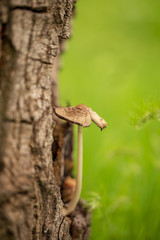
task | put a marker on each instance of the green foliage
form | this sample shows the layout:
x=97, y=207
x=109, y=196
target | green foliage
x=144, y=113
x=93, y=201
x=112, y=64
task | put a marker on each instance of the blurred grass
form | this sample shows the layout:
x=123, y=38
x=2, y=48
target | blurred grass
x=113, y=64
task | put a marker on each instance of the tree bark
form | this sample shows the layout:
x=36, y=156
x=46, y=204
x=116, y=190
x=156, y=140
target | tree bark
x=31, y=163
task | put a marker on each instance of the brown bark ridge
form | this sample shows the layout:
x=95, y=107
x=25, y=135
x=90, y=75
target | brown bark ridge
x=32, y=34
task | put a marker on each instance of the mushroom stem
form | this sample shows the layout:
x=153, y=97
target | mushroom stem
x=72, y=204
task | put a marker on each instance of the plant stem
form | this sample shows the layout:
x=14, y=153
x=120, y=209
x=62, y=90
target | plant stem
x=72, y=204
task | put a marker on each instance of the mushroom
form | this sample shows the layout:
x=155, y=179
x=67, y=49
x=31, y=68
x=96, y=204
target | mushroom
x=82, y=116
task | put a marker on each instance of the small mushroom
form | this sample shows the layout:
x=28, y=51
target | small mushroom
x=81, y=115
x=68, y=188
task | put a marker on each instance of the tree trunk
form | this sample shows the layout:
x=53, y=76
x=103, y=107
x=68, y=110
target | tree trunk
x=35, y=156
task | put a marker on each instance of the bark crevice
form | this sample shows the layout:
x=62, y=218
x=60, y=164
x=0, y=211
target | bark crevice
x=42, y=9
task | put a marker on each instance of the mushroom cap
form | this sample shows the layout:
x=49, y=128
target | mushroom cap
x=81, y=115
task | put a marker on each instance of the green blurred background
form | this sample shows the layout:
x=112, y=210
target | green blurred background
x=112, y=64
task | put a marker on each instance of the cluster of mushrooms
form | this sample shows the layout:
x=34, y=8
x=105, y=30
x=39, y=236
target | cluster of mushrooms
x=82, y=116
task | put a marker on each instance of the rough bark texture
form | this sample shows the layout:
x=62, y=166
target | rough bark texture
x=32, y=34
